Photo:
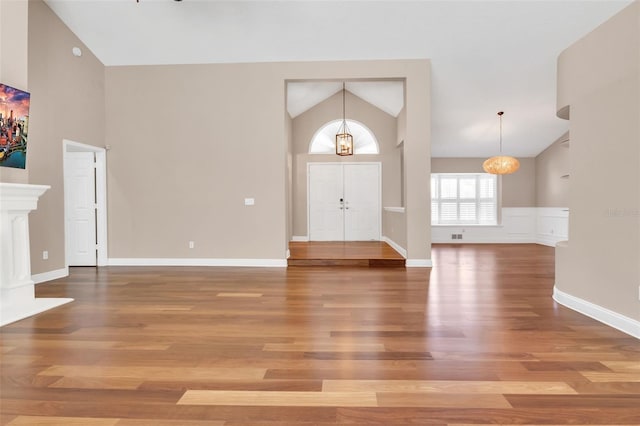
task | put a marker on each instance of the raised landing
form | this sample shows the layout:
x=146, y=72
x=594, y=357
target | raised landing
x=348, y=253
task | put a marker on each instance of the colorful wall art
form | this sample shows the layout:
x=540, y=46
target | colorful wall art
x=14, y=126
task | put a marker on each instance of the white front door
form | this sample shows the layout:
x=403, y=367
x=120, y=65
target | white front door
x=326, y=219
x=344, y=201
x=362, y=202
x=80, y=206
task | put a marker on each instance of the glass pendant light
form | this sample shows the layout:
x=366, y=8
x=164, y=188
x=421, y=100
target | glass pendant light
x=501, y=164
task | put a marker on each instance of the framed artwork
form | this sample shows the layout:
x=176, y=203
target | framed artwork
x=14, y=126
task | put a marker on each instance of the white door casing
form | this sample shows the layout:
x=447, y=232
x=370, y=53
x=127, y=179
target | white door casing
x=344, y=201
x=100, y=153
x=80, y=207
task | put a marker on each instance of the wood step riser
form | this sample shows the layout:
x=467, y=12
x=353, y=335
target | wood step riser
x=379, y=263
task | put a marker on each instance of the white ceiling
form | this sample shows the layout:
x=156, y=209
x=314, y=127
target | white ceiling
x=386, y=95
x=486, y=56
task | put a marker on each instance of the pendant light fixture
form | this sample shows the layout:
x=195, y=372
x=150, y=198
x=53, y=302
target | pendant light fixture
x=344, y=138
x=501, y=164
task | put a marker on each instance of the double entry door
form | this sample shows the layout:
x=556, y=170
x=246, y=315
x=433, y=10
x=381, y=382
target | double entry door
x=344, y=201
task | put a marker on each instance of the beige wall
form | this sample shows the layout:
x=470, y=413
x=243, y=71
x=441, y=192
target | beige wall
x=14, y=17
x=307, y=124
x=402, y=131
x=190, y=142
x=394, y=226
x=518, y=189
x=67, y=102
x=601, y=261
x=552, y=168
x=417, y=165
x=401, y=126
x=289, y=175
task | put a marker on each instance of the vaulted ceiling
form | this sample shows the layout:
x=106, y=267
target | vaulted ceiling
x=386, y=95
x=486, y=56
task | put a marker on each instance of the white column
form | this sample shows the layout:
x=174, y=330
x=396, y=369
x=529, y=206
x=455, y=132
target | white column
x=17, y=291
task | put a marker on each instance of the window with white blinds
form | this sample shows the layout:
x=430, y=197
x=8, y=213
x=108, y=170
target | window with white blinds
x=464, y=199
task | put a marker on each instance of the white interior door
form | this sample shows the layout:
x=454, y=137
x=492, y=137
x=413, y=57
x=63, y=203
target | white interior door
x=344, y=202
x=362, y=202
x=80, y=206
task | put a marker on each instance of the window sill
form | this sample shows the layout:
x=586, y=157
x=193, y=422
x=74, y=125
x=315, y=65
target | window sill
x=464, y=225
x=394, y=209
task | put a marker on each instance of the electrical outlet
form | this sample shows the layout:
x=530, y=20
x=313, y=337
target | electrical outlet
x=454, y=236
x=192, y=244
x=45, y=255
x=459, y=236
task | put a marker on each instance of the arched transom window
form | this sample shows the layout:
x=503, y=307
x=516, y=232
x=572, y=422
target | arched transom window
x=324, y=141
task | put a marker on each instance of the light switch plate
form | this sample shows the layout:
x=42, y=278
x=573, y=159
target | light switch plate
x=249, y=201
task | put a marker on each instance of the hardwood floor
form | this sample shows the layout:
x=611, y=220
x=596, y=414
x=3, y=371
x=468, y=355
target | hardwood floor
x=476, y=340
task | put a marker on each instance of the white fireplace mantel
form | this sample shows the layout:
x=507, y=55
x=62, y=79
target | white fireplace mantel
x=17, y=290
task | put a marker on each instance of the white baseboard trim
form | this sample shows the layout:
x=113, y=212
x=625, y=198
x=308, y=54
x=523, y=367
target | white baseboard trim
x=604, y=315
x=268, y=263
x=50, y=275
x=33, y=307
x=300, y=238
x=395, y=246
x=419, y=263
